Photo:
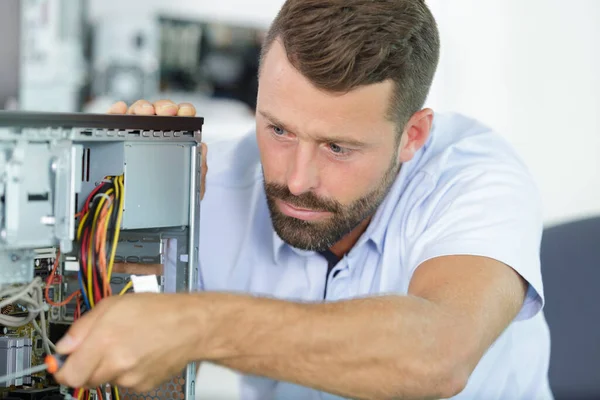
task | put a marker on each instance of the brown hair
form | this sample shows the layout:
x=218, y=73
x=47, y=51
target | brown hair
x=340, y=45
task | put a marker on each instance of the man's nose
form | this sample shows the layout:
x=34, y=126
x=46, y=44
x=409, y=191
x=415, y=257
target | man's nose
x=303, y=174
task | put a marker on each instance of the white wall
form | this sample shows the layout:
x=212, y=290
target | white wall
x=530, y=69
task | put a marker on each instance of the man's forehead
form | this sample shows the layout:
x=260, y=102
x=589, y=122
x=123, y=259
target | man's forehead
x=355, y=118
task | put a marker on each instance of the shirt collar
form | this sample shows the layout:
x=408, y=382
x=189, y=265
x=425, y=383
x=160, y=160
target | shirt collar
x=279, y=245
x=379, y=223
x=377, y=228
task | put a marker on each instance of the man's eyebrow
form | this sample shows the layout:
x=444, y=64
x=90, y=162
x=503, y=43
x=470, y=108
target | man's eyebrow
x=320, y=138
x=276, y=121
x=341, y=140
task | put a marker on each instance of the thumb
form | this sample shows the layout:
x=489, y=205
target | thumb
x=78, y=332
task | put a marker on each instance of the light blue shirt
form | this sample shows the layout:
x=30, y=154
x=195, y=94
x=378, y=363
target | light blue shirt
x=465, y=192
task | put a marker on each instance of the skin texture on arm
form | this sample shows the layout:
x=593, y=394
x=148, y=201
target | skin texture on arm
x=424, y=345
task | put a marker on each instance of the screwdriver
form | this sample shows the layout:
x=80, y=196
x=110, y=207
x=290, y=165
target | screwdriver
x=52, y=363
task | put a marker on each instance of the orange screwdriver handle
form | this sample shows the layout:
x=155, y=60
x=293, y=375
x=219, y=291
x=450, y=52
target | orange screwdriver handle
x=54, y=362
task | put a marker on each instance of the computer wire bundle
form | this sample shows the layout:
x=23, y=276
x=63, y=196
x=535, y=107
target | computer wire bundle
x=97, y=238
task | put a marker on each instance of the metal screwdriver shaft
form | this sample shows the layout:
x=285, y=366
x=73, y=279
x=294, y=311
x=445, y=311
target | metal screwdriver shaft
x=52, y=363
x=25, y=372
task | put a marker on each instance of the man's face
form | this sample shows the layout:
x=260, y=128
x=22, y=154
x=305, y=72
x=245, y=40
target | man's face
x=328, y=159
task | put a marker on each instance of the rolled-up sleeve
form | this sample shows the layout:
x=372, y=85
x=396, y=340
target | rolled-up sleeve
x=491, y=211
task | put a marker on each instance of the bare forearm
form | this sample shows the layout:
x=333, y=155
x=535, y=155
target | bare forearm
x=385, y=347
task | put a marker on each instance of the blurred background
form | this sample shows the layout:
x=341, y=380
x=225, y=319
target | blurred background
x=529, y=69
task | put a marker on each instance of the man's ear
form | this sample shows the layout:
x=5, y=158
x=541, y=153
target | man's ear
x=415, y=135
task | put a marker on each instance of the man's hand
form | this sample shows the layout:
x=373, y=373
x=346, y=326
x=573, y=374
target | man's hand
x=163, y=108
x=136, y=341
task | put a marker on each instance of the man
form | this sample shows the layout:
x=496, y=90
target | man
x=356, y=245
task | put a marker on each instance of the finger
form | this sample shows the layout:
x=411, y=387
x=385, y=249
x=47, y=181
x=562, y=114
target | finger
x=141, y=107
x=111, y=370
x=143, y=377
x=166, y=108
x=186, y=110
x=85, y=350
x=204, y=170
x=118, y=108
x=82, y=363
x=78, y=332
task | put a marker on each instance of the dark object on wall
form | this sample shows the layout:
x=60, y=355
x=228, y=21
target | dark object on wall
x=217, y=58
x=570, y=255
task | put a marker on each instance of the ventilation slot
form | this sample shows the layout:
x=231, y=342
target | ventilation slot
x=85, y=165
x=38, y=196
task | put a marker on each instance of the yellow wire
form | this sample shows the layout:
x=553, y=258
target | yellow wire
x=91, y=246
x=80, y=228
x=126, y=288
x=106, y=221
x=102, y=200
x=81, y=224
x=117, y=397
x=120, y=191
x=80, y=394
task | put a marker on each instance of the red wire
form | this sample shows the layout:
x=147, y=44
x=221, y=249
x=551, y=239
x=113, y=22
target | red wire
x=92, y=265
x=84, y=241
x=89, y=198
x=84, y=261
x=84, y=253
x=49, y=282
x=97, y=296
x=78, y=309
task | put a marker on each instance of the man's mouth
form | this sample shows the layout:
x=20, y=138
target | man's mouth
x=304, y=214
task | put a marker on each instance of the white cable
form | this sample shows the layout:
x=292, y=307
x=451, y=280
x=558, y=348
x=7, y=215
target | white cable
x=107, y=197
x=30, y=296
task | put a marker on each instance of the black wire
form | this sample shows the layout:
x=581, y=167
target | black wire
x=112, y=226
x=96, y=276
x=115, y=211
x=102, y=393
x=90, y=233
x=83, y=268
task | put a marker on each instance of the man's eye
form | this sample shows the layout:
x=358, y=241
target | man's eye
x=335, y=148
x=277, y=130
x=339, y=151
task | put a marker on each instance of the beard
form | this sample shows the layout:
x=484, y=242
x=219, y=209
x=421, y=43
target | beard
x=321, y=235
